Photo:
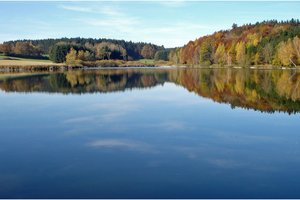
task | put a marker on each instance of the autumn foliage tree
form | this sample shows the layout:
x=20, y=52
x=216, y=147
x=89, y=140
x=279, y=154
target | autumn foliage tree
x=296, y=47
x=73, y=57
x=241, y=53
x=285, y=53
x=220, y=56
x=6, y=48
x=20, y=49
x=99, y=49
x=267, y=42
x=148, y=51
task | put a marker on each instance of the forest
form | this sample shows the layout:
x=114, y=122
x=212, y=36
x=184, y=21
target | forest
x=264, y=43
x=75, y=50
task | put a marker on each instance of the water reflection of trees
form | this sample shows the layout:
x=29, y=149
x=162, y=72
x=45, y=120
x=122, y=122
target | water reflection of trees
x=84, y=81
x=264, y=90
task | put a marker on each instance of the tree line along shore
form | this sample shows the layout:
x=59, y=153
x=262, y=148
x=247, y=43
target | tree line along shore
x=9, y=63
x=267, y=43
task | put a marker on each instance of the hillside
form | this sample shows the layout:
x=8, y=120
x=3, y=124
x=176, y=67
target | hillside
x=264, y=43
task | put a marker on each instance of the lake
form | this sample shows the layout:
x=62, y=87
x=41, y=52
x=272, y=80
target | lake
x=150, y=133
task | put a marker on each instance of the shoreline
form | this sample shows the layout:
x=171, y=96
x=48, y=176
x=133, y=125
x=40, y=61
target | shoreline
x=112, y=64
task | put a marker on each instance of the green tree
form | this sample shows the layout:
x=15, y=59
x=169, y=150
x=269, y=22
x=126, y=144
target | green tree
x=161, y=55
x=58, y=52
x=250, y=54
x=206, y=53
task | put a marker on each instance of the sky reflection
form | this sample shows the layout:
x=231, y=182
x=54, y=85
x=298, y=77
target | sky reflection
x=160, y=142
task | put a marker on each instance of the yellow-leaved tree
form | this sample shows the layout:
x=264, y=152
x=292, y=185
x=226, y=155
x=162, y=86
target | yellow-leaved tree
x=285, y=53
x=72, y=58
x=241, y=53
x=296, y=45
x=80, y=55
x=220, y=56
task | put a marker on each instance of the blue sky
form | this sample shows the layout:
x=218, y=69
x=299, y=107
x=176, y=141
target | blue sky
x=168, y=23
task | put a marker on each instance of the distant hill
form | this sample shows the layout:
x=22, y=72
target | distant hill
x=267, y=42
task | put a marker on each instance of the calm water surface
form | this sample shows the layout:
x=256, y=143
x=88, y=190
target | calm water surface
x=155, y=133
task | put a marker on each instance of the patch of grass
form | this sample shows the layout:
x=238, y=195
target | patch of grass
x=109, y=63
x=12, y=58
x=23, y=63
x=147, y=61
x=16, y=61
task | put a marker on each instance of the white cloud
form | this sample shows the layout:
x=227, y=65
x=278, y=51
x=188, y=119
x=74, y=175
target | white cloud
x=103, y=9
x=111, y=143
x=111, y=11
x=122, y=144
x=80, y=119
x=113, y=20
x=169, y=126
x=77, y=8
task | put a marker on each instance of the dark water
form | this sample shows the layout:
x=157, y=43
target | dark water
x=150, y=133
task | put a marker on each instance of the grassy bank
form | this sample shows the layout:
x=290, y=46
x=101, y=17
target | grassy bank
x=12, y=59
x=9, y=63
